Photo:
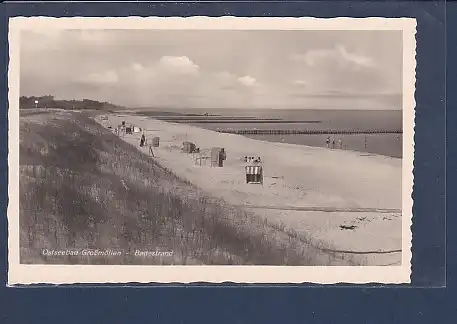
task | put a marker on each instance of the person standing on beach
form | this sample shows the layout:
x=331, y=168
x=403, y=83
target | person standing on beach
x=143, y=139
x=333, y=143
x=328, y=141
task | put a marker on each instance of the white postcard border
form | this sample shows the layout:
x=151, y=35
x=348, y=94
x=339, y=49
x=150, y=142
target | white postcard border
x=66, y=274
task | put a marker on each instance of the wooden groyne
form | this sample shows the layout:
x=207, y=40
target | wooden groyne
x=185, y=118
x=308, y=131
x=241, y=121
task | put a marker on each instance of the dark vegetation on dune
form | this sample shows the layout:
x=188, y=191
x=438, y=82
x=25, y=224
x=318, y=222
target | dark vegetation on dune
x=51, y=102
x=83, y=187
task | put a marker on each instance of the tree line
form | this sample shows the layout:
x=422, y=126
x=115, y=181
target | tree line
x=50, y=102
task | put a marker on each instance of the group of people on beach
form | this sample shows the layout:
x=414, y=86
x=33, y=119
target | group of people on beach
x=331, y=142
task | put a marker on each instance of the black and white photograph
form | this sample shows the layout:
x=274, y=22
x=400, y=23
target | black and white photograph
x=257, y=150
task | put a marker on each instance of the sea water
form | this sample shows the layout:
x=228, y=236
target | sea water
x=382, y=144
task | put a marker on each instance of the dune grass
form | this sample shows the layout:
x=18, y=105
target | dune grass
x=81, y=187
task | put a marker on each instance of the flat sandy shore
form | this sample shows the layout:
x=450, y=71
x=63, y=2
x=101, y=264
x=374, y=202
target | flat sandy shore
x=343, y=200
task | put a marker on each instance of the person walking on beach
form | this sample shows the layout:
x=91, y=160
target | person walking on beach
x=333, y=143
x=328, y=141
x=143, y=139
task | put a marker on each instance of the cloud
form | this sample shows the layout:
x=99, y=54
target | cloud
x=248, y=81
x=338, y=54
x=137, y=67
x=300, y=83
x=224, y=75
x=227, y=80
x=182, y=68
x=340, y=70
x=40, y=40
x=179, y=64
x=355, y=58
x=108, y=77
x=311, y=56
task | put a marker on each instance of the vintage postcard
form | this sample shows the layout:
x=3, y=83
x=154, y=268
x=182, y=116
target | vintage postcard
x=178, y=150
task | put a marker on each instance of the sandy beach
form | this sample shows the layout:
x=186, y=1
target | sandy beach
x=341, y=200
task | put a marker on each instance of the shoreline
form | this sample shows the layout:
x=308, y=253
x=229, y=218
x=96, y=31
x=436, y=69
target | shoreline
x=279, y=139
x=267, y=137
x=298, y=137
x=251, y=137
x=296, y=176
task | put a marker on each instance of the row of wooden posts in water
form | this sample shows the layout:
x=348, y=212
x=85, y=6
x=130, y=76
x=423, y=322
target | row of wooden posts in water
x=307, y=131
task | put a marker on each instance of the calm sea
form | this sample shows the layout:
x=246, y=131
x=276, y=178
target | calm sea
x=383, y=144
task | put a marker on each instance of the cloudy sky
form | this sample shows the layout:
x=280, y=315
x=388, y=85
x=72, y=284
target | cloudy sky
x=215, y=69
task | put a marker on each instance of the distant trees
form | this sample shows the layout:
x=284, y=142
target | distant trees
x=49, y=102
